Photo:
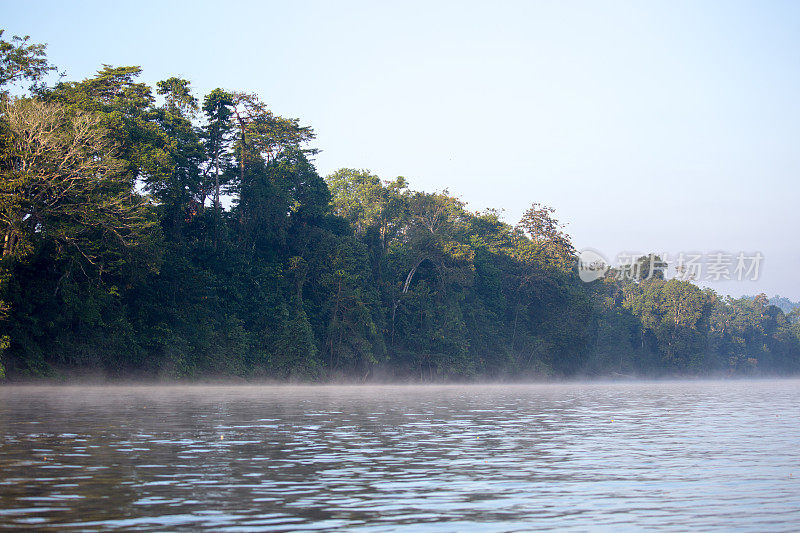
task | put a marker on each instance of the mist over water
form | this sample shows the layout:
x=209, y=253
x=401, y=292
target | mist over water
x=670, y=455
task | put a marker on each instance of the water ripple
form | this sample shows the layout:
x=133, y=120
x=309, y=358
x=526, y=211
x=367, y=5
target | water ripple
x=700, y=455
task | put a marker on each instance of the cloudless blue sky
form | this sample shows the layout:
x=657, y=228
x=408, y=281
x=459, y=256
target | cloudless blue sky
x=649, y=126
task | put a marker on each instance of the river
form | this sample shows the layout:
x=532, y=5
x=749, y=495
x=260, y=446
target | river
x=656, y=455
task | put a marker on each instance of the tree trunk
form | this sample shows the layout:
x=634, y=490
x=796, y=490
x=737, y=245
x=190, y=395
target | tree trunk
x=405, y=290
x=333, y=320
x=216, y=199
x=9, y=243
x=241, y=154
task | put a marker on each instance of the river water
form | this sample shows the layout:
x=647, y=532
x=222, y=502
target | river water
x=662, y=455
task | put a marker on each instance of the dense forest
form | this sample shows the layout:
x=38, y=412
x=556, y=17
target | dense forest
x=148, y=232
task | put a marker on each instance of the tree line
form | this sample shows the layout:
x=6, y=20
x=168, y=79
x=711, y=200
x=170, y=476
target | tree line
x=147, y=232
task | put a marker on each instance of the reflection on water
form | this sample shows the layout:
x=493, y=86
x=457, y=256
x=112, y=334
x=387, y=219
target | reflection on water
x=449, y=458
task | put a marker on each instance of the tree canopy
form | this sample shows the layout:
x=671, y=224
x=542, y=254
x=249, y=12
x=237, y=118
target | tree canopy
x=119, y=255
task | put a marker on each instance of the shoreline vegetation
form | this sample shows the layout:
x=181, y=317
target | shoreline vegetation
x=149, y=233
x=103, y=382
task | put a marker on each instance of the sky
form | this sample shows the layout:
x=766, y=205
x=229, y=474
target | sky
x=669, y=127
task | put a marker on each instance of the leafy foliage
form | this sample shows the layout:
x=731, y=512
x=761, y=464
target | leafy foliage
x=115, y=260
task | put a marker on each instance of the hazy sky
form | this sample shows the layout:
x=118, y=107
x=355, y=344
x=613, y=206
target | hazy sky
x=649, y=126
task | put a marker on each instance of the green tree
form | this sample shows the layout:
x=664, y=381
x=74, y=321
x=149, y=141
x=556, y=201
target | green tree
x=178, y=96
x=547, y=236
x=62, y=181
x=295, y=352
x=358, y=196
x=180, y=188
x=674, y=316
x=263, y=135
x=217, y=108
x=22, y=60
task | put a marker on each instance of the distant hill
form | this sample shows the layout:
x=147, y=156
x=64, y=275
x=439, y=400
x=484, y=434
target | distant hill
x=785, y=304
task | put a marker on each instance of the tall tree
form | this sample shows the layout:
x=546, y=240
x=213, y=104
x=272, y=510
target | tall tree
x=61, y=180
x=22, y=60
x=217, y=108
x=547, y=236
x=179, y=191
x=178, y=96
